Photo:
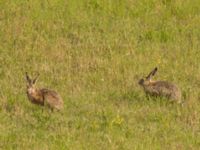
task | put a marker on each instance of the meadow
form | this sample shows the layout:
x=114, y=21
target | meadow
x=93, y=52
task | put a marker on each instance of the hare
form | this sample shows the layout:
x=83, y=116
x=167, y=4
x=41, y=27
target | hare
x=160, y=88
x=43, y=96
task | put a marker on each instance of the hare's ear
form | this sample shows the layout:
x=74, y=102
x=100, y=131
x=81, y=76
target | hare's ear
x=34, y=80
x=152, y=73
x=28, y=78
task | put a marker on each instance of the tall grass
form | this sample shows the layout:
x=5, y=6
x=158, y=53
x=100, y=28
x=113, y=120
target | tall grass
x=93, y=52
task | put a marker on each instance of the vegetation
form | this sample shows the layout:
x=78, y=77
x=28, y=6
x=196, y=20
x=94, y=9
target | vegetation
x=93, y=52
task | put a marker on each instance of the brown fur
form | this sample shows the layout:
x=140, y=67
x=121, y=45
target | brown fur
x=43, y=96
x=160, y=88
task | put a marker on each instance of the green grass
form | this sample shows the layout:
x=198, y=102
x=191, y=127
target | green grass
x=93, y=52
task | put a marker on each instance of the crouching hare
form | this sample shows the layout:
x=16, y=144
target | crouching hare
x=160, y=88
x=43, y=96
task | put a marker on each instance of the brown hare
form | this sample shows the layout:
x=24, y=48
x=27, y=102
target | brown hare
x=43, y=96
x=160, y=88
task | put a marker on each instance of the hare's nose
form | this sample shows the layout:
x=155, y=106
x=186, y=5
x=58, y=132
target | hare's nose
x=141, y=81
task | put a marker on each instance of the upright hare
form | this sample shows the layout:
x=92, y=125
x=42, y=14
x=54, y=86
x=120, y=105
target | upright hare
x=43, y=96
x=160, y=88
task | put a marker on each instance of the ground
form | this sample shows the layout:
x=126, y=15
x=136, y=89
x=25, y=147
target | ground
x=94, y=52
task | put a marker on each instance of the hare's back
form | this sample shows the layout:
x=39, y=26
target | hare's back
x=167, y=88
x=165, y=85
x=52, y=98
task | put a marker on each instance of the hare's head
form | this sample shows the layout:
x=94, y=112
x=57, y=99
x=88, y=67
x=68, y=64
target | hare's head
x=147, y=80
x=31, y=83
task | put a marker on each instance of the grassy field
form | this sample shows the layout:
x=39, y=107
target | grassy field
x=93, y=52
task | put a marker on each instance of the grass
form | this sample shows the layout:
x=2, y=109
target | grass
x=93, y=53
